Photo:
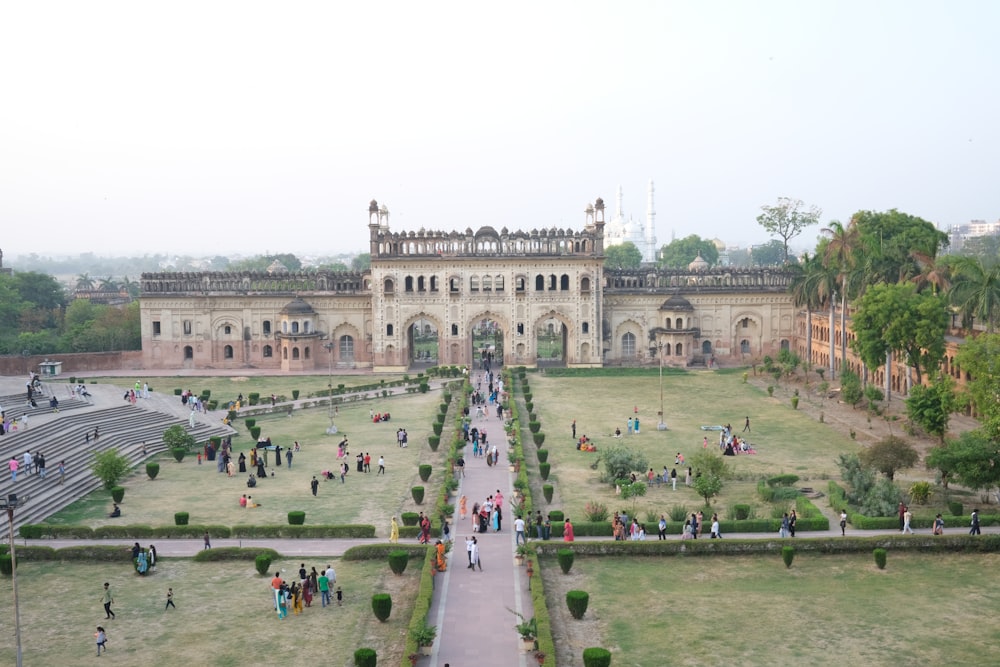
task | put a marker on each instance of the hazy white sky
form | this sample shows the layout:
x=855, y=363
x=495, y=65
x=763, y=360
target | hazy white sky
x=246, y=127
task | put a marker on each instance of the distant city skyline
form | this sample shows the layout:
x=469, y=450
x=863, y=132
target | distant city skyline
x=225, y=128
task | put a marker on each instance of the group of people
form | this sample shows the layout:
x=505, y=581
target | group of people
x=488, y=515
x=299, y=594
x=33, y=463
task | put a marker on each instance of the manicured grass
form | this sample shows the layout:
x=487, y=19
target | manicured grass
x=787, y=441
x=224, y=615
x=824, y=610
x=212, y=497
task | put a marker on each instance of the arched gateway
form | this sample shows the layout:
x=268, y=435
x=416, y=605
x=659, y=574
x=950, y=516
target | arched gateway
x=449, y=298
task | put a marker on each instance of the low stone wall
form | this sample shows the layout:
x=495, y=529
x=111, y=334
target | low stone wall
x=73, y=363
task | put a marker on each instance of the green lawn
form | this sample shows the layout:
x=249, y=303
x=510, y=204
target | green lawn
x=825, y=610
x=787, y=441
x=212, y=498
x=224, y=616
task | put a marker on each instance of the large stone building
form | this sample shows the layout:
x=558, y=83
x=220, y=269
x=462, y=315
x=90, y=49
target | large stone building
x=530, y=297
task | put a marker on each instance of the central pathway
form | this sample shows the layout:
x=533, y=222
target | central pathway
x=470, y=607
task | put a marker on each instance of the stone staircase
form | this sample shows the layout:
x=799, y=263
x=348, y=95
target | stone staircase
x=64, y=437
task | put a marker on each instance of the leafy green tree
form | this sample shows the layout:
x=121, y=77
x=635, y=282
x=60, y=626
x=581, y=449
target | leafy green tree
x=40, y=290
x=621, y=462
x=975, y=460
x=931, y=407
x=622, y=256
x=980, y=358
x=786, y=219
x=888, y=241
x=712, y=462
x=679, y=253
x=850, y=388
x=768, y=254
x=889, y=455
x=707, y=486
x=362, y=262
x=177, y=436
x=976, y=291
x=109, y=466
x=898, y=318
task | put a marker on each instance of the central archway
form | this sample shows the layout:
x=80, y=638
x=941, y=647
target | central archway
x=422, y=342
x=551, y=340
x=487, y=343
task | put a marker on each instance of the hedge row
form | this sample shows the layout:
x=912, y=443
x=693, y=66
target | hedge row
x=42, y=530
x=604, y=529
x=382, y=551
x=838, y=501
x=827, y=545
x=234, y=553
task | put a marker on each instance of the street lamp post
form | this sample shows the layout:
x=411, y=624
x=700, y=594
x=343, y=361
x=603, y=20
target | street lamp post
x=332, y=428
x=10, y=504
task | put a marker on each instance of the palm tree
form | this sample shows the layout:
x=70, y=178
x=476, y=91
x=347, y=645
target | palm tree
x=108, y=285
x=807, y=290
x=840, y=255
x=84, y=282
x=976, y=291
x=131, y=286
x=935, y=273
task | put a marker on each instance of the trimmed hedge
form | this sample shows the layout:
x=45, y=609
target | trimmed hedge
x=538, y=438
x=152, y=469
x=543, y=455
x=565, y=557
x=577, y=602
x=382, y=606
x=434, y=441
x=788, y=555
x=424, y=470
x=6, y=565
x=235, y=553
x=418, y=494
x=544, y=469
x=365, y=657
x=880, y=555
x=181, y=518
x=117, y=493
x=547, y=490
x=410, y=518
x=382, y=551
x=261, y=562
x=178, y=453
x=596, y=656
x=398, y=560
x=296, y=518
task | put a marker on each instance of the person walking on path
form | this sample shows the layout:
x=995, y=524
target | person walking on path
x=907, y=518
x=476, y=561
x=567, y=531
x=843, y=523
x=975, y=523
x=170, y=600
x=519, y=535
x=108, y=600
x=901, y=511
x=208, y=540
x=662, y=527
x=746, y=427
x=314, y=485
x=393, y=530
x=469, y=542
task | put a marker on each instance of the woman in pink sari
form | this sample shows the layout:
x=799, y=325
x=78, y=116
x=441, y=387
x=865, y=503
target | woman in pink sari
x=567, y=531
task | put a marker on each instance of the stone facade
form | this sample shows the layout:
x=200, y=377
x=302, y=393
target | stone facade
x=519, y=283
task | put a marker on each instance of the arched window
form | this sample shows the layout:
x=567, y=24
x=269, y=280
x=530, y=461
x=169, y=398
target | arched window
x=295, y=353
x=421, y=285
x=585, y=284
x=387, y=286
x=706, y=347
x=434, y=283
x=666, y=349
x=388, y=330
x=295, y=327
x=498, y=284
x=284, y=326
x=680, y=323
x=564, y=282
x=227, y=330
x=552, y=282
x=346, y=348
x=454, y=329
x=667, y=324
x=408, y=284
x=268, y=351
x=453, y=284
x=539, y=283
x=474, y=284
x=188, y=352
x=305, y=326
x=745, y=346
x=227, y=352
x=519, y=284
x=679, y=350
x=267, y=327
x=487, y=283
x=628, y=345
x=784, y=345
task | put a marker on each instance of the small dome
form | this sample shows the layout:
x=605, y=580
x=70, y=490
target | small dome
x=676, y=302
x=297, y=307
x=699, y=264
x=277, y=267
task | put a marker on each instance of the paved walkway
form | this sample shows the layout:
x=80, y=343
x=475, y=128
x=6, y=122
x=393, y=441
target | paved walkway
x=470, y=607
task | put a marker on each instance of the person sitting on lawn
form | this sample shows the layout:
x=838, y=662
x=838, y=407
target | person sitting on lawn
x=116, y=512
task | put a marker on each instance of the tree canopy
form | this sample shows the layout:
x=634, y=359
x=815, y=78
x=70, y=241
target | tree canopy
x=786, y=219
x=622, y=256
x=898, y=318
x=680, y=252
x=771, y=253
x=888, y=241
x=980, y=358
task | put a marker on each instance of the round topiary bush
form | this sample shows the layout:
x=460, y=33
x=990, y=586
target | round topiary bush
x=424, y=387
x=565, y=558
x=424, y=470
x=262, y=563
x=178, y=392
x=547, y=492
x=410, y=518
x=296, y=518
x=446, y=397
x=443, y=408
x=527, y=396
x=880, y=555
x=152, y=469
x=742, y=512
x=6, y=565
x=398, y=561
x=538, y=438
x=543, y=455
x=543, y=470
x=788, y=555
x=382, y=606
x=596, y=657
x=577, y=602
x=556, y=516
x=117, y=493
x=181, y=518
x=255, y=432
x=295, y=394
x=534, y=426
x=418, y=494
x=254, y=397
x=250, y=422
x=530, y=406
x=365, y=657
x=433, y=441
x=438, y=427
x=178, y=453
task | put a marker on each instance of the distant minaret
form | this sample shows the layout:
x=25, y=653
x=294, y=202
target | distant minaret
x=619, y=214
x=649, y=253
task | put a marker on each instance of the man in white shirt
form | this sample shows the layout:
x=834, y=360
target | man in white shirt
x=519, y=530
